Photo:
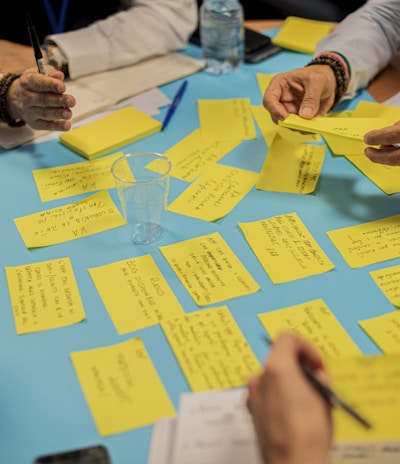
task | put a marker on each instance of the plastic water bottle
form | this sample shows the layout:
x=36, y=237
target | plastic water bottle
x=222, y=35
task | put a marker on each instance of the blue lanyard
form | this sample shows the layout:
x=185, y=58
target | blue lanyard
x=57, y=26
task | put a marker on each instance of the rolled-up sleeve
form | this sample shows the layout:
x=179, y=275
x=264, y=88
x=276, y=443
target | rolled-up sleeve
x=145, y=29
x=368, y=38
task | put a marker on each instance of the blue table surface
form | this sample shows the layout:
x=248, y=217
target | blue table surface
x=42, y=407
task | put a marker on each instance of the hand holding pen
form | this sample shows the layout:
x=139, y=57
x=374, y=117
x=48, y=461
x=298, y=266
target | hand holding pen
x=291, y=417
x=36, y=46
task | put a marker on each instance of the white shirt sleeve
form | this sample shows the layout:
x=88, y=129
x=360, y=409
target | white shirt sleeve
x=368, y=38
x=147, y=28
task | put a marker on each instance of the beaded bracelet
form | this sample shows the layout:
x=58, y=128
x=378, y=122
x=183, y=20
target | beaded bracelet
x=340, y=71
x=5, y=83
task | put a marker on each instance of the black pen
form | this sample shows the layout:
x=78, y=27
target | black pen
x=332, y=398
x=36, y=46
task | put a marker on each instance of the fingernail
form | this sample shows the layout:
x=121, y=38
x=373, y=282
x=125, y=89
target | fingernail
x=306, y=112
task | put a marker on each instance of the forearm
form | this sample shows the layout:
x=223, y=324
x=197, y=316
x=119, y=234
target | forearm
x=146, y=29
x=368, y=39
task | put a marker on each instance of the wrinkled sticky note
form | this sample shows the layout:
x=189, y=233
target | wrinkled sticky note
x=215, y=193
x=44, y=295
x=292, y=168
x=349, y=128
x=370, y=384
x=211, y=349
x=194, y=153
x=315, y=322
x=135, y=293
x=209, y=270
x=388, y=280
x=384, y=330
x=75, y=179
x=368, y=243
x=87, y=217
x=227, y=119
x=301, y=34
x=285, y=248
x=383, y=176
x=121, y=387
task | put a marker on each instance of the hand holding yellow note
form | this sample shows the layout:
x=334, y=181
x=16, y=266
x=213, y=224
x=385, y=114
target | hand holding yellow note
x=348, y=128
x=121, y=387
x=111, y=132
x=44, y=295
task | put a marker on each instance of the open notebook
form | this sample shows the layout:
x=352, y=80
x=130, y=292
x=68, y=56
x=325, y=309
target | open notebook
x=99, y=91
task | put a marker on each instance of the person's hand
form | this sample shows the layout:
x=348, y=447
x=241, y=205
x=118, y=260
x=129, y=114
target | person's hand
x=308, y=92
x=292, y=420
x=41, y=100
x=387, y=138
x=15, y=58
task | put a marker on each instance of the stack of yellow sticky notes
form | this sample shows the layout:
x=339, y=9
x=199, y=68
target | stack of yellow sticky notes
x=301, y=34
x=110, y=132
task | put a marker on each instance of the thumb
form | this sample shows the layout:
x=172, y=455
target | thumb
x=309, y=106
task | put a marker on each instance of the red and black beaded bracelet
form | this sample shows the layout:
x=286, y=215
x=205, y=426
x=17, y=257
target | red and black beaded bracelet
x=339, y=70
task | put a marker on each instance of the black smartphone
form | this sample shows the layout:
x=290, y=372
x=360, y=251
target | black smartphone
x=91, y=455
x=257, y=46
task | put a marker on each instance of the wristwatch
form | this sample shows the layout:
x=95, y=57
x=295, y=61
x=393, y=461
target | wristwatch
x=56, y=57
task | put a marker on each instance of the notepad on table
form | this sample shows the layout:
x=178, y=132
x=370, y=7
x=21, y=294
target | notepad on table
x=110, y=132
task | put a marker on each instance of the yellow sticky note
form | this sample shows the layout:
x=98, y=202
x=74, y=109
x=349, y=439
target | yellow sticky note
x=135, y=293
x=366, y=109
x=269, y=129
x=211, y=349
x=111, y=132
x=194, y=153
x=384, y=330
x=368, y=243
x=209, y=270
x=344, y=145
x=383, y=176
x=302, y=35
x=348, y=128
x=263, y=81
x=75, y=179
x=121, y=387
x=370, y=384
x=44, y=295
x=315, y=322
x=215, y=193
x=292, y=168
x=285, y=248
x=87, y=217
x=227, y=119
x=388, y=280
